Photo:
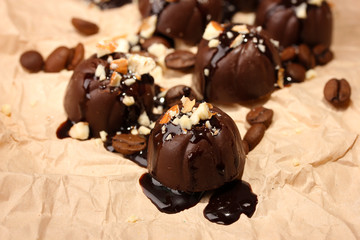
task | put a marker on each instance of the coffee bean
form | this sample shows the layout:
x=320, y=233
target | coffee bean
x=57, y=60
x=77, y=56
x=288, y=54
x=245, y=146
x=174, y=94
x=180, y=60
x=306, y=57
x=128, y=144
x=85, y=27
x=260, y=115
x=296, y=72
x=323, y=54
x=155, y=39
x=337, y=92
x=32, y=61
x=254, y=135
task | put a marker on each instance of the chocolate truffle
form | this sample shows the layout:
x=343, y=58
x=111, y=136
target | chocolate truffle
x=236, y=63
x=182, y=19
x=195, y=147
x=295, y=22
x=110, y=92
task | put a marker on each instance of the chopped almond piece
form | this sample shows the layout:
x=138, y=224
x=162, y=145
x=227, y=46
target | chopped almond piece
x=119, y=65
x=174, y=110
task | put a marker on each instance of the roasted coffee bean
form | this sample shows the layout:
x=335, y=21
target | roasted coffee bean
x=306, y=57
x=245, y=146
x=77, y=56
x=260, y=115
x=57, y=60
x=254, y=135
x=85, y=27
x=180, y=60
x=128, y=144
x=323, y=54
x=155, y=39
x=32, y=61
x=337, y=92
x=174, y=94
x=296, y=72
x=288, y=54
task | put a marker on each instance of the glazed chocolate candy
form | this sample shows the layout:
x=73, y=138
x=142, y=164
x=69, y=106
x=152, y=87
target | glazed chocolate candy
x=295, y=22
x=195, y=147
x=236, y=63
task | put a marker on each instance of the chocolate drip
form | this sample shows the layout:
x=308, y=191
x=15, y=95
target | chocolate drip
x=165, y=199
x=229, y=202
x=63, y=130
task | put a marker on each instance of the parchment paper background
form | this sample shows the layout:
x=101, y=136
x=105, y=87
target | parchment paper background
x=306, y=170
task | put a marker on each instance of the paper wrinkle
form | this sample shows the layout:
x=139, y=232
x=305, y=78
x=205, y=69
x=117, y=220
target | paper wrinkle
x=305, y=171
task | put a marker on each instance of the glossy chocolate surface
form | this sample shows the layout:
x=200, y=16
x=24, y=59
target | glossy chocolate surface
x=197, y=159
x=244, y=73
x=93, y=101
x=279, y=18
x=165, y=199
x=184, y=19
x=229, y=202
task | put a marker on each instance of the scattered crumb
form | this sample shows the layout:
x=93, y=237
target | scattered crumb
x=132, y=219
x=6, y=109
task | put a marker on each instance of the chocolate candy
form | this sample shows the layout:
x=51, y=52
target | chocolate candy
x=32, y=61
x=57, y=60
x=236, y=63
x=108, y=96
x=195, y=148
x=182, y=19
x=338, y=92
x=174, y=95
x=294, y=22
x=85, y=27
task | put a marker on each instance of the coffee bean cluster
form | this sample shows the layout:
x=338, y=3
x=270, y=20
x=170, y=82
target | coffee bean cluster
x=298, y=59
x=260, y=119
x=59, y=59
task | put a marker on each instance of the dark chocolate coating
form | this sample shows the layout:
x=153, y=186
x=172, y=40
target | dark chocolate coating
x=237, y=74
x=93, y=101
x=244, y=5
x=183, y=19
x=196, y=160
x=278, y=17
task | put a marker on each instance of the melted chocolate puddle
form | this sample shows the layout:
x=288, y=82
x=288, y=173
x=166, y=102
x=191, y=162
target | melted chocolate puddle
x=225, y=205
x=229, y=202
x=165, y=199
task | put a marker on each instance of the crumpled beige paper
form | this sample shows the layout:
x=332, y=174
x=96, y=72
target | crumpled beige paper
x=305, y=171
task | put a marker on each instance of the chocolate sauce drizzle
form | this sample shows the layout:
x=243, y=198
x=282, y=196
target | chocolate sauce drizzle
x=165, y=199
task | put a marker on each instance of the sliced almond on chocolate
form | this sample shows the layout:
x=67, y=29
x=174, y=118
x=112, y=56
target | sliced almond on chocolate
x=119, y=65
x=213, y=30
